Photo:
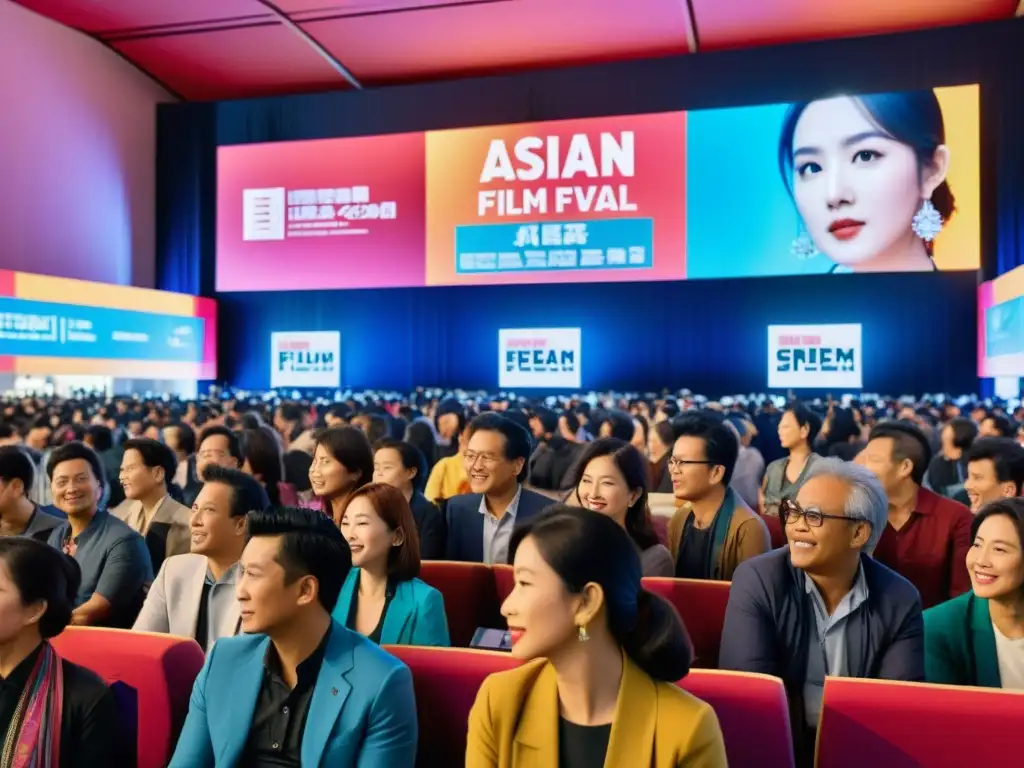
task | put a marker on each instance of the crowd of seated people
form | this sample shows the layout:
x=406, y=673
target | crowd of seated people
x=288, y=539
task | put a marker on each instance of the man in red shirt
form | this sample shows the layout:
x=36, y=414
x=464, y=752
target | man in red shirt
x=927, y=537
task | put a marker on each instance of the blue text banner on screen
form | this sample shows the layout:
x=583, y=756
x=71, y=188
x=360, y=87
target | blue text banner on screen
x=559, y=246
x=48, y=329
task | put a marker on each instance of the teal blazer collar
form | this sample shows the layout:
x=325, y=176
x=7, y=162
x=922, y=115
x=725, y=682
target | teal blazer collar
x=332, y=689
x=399, y=619
x=397, y=627
x=981, y=638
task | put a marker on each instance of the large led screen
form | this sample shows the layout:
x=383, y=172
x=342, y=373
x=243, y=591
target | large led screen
x=870, y=183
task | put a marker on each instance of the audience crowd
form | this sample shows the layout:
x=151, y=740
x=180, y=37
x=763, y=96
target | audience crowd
x=872, y=538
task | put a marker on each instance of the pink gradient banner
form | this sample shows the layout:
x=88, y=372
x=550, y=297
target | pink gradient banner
x=334, y=213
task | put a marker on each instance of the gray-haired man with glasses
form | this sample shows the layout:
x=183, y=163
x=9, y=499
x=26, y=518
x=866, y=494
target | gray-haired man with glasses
x=822, y=606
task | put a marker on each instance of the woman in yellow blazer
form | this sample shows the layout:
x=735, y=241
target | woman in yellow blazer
x=598, y=691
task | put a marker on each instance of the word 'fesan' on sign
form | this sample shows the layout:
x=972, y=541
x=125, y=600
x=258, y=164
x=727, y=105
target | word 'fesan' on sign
x=542, y=157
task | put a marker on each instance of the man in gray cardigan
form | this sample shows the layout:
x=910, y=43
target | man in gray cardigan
x=822, y=606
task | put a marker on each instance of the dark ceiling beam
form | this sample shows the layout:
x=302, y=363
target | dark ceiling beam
x=313, y=43
x=692, y=38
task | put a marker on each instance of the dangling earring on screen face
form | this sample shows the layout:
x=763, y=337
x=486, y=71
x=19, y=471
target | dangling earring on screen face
x=927, y=222
x=803, y=246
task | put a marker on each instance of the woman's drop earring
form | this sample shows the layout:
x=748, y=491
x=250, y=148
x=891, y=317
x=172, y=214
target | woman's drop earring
x=803, y=247
x=927, y=222
x=581, y=634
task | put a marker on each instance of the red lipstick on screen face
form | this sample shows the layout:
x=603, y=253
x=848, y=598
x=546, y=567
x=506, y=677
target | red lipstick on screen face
x=845, y=229
x=514, y=634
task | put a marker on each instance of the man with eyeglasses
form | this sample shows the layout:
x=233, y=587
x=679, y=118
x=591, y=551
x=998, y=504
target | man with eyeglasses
x=218, y=446
x=714, y=530
x=822, y=605
x=480, y=523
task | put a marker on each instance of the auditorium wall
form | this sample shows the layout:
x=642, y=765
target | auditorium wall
x=77, y=141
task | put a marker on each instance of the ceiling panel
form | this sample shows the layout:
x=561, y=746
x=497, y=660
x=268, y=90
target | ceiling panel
x=467, y=38
x=322, y=8
x=744, y=23
x=256, y=61
x=99, y=16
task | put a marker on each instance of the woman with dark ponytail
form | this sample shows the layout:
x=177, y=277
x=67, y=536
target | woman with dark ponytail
x=603, y=658
x=53, y=714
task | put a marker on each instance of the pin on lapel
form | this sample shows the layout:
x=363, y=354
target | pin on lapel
x=334, y=691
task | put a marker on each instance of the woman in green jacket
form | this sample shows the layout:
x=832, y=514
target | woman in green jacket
x=978, y=638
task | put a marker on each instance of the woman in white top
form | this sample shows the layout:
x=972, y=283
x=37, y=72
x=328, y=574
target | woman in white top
x=978, y=638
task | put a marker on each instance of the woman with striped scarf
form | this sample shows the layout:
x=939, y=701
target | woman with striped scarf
x=53, y=714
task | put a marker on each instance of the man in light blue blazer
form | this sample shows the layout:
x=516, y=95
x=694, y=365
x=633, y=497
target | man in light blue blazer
x=298, y=689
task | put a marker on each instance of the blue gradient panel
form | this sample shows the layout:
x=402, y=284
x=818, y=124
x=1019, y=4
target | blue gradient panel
x=740, y=220
x=47, y=329
x=1004, y=328
x=555, y=246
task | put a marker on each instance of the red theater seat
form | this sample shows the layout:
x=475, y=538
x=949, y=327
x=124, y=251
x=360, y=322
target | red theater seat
x=702, y=604
x=753, y=712
x=446, y=682
x=504, y=581
x=887, y=724
x=152, y=676
x=752, y=709
x=774, y=525
x=470, y=600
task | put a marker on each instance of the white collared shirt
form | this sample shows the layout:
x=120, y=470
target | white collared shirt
x=498, y=532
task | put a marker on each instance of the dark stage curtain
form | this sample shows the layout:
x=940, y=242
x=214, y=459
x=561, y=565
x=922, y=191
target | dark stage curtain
x=709, y=335
x=186, y=197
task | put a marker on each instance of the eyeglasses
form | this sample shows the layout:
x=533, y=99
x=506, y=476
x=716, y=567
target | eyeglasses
x=790, y=512
x=486, y=459
x=674, y=464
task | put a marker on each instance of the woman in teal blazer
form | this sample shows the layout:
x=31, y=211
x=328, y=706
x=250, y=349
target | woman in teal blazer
x=961, y=645
x=381, y=597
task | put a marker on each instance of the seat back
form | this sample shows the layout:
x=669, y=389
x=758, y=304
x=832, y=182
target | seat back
x=701, y=604
x=152, y=677
x=446, y=681
x=470, y=600
x=504, y=581
x=775, y=530
x=753, y=712
x=905, y=725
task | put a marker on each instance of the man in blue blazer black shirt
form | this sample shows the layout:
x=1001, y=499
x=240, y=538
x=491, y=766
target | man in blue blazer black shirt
x=298, y=689
x=822, y=606
x=480, y=523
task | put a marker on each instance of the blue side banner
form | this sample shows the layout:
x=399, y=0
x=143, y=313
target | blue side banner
x=555, y=246
x=46, y=329
x=1004, y=328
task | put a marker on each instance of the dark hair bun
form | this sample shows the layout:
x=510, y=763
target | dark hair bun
x=58, y=610
x=659, y=643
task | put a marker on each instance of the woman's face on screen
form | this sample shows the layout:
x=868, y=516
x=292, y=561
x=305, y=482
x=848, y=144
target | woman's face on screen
x=856, y=188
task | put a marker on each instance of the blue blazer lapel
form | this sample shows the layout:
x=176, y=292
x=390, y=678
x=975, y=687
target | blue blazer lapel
x=344, y=604
x=472, y=526
x=329, y=695
x=243, y=683
x=400, y=613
